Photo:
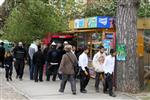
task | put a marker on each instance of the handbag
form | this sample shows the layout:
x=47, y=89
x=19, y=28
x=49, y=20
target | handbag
x=74, y=64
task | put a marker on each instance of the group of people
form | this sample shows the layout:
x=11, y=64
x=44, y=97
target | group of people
x=59, y=60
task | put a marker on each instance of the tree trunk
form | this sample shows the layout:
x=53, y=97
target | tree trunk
x=127, y=71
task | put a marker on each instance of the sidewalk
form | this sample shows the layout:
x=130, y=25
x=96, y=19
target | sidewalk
x=8, y=92
x=49, y=91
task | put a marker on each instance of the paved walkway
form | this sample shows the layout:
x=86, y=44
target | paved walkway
x=27, y=89
x=7, y=91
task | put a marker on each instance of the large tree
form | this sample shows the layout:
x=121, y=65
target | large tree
x=127, y=71
x=32, y=19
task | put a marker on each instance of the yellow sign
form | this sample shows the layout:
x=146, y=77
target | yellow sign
x=71, y=24
x=140, y=43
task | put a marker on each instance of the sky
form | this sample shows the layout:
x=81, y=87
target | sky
x=1, y=2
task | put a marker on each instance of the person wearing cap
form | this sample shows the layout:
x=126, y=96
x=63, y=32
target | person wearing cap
x=2, y=53
x=54, y=58
x=108, y=66
x=97, y=62
x=67, y=70
x=20, y=56
x=84, y=72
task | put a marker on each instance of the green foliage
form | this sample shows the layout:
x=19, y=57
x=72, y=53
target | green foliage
x=108, y=8
x=33, y=19
x=101, y=8
x=144, y=10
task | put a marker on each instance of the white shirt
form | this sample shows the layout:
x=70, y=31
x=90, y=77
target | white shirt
x=98, y=61
x=109, y=64
x=83, y=61
x=32, y=49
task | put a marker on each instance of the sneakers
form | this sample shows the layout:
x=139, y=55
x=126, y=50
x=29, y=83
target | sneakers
x=7, y=79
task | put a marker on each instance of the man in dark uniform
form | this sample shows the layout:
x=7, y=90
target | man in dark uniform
x=38, y=61
x=2, y=53
x=19, y=58
x=54, y=58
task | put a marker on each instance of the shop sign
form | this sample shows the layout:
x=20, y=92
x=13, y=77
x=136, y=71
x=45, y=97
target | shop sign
x=121, y=52
x=71, y=24
x=79, y=23
x=107, y=43
x=92, y=22
x=103, y=22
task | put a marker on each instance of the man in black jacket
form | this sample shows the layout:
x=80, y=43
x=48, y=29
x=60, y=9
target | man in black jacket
x=38, y=61
x=19, y=59
x=54, y=58
x=2, y=53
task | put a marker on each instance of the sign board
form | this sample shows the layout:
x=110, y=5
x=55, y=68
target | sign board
x=121, y=52
x=103, y=22
x=107, y=43
x=79, y=23
x=92, y=22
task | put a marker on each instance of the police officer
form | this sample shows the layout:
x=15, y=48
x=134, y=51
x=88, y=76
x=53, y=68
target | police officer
x=19, y=59
x=54, y=58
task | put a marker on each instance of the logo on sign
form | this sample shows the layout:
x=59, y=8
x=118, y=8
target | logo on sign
x=103, y=21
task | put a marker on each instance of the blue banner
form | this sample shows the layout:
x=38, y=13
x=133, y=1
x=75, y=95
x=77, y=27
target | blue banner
x=103, y=22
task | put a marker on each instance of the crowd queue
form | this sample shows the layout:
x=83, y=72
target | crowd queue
x=64, y=60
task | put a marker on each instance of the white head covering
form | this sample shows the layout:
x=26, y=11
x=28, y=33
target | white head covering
x=65, y=42
x=20, y=44
x=53, y=43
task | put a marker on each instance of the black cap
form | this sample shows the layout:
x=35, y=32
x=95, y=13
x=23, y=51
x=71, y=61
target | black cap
x=112, y=51
x=100, y=47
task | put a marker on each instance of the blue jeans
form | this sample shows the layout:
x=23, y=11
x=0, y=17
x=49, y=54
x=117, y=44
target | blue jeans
x=32, y=67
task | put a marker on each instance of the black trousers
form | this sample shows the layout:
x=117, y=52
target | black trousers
x=84, y=79
x=2, y=62
x=97, y=79
x=8, y=71
x=108, y=83
x=38, y=72
x=19, y=67
x=53, y=70
x=71, y=79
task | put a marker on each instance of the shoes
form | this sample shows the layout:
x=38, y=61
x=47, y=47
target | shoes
x=112, y=95
x=36, y=80
x=54, y=80
x=7, y=79
x=83, y=91
x=61, y=91
x=20, y=79
x=41, y=80
x=74, y=93
x=10, y=78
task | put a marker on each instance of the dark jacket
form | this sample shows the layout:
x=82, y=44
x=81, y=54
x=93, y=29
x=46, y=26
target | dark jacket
x=19, y=53
x=54, y=56
x=38, y=58
x=66, y=65
x=8, y=61
x=2, y=52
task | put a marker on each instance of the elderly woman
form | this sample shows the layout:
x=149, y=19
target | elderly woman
x=67, y=69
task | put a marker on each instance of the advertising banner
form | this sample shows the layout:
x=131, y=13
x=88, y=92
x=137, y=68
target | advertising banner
x=92, y=22
x=79, y=23
x=103, y=22
x=121, y=52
